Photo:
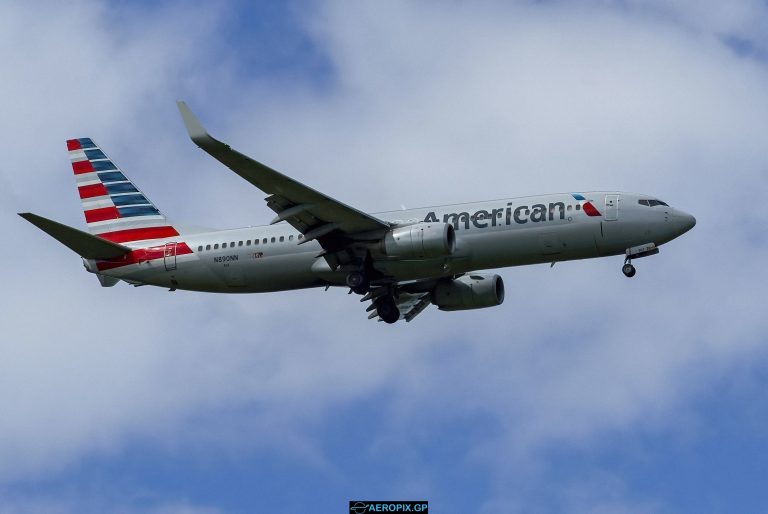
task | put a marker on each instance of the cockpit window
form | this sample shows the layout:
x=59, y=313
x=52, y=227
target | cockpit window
x=652, y=203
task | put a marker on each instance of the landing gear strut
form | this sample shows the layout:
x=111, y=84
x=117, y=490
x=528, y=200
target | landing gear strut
x=635, y=253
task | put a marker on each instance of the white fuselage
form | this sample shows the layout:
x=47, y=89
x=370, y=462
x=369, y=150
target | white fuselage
x=491, y=234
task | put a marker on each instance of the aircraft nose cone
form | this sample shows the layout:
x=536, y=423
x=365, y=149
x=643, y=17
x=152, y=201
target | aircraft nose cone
x=684, y=221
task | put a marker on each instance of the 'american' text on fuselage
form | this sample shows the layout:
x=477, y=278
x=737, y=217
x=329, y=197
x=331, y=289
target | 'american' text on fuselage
x=521, y=214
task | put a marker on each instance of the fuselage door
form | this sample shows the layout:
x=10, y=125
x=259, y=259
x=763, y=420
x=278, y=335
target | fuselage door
x=169, y=256
x=611, y=207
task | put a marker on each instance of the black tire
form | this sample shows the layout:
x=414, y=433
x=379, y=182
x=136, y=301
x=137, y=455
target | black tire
x=355, y=279
x=387, y=310
x=358, y=283
x=628, y=270
x=362, y=289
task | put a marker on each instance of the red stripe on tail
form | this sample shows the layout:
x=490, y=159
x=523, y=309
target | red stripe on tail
x=73, y=144
x=105, y=213
x=82, y=167
x=138, y=234
x=92, y=190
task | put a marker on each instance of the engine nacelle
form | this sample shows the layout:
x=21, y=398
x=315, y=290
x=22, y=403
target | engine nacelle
x=474, y=291
x=420, y=241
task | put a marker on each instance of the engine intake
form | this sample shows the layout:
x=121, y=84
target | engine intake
x=475, y=291
x=420, y=241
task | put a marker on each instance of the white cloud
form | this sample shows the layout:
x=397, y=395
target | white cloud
x=428, y=104
x=741, y=18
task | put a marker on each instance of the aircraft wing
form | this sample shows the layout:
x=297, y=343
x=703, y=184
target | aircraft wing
x=317, y=216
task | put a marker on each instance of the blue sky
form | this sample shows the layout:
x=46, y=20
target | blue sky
x=584, y=392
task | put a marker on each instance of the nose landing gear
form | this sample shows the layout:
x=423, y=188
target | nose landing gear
x=637, y=252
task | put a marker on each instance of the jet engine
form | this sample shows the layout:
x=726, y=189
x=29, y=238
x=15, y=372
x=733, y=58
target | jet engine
x=420, y=241
x=474, y=291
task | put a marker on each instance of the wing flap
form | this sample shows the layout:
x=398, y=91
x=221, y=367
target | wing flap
x=82, y=243
x=416, y=308
x=411, y=305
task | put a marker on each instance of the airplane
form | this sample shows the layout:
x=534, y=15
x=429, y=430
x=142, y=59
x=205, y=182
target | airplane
x=400, y=261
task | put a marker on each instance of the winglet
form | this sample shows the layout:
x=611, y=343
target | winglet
x=197, y=132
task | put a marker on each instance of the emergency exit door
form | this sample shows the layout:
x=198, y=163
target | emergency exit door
x=169, y=256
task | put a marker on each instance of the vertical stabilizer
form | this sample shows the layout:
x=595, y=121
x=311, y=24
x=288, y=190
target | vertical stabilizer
x=115, y=209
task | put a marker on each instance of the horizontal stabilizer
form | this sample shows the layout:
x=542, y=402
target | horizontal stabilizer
x=107, y=281
x=82, y=243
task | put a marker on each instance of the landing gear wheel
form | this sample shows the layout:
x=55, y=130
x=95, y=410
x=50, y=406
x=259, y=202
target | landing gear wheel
x=387, y=310
x=358, y=283
x=628, y=270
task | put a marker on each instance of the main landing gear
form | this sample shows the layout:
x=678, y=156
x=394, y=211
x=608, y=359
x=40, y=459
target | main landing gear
x=358, y=282
x=387, y=309
x=383, y=299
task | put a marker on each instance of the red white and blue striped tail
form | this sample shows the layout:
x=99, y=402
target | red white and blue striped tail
x=115, y=209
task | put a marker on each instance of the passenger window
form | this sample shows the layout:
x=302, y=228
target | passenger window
x=282, y=238
x=248, y=243
x=264, y=240
x=290, y=238
x=301, y=236
x=199, y=248
x=239, y=243
x=232, y=244
x=255, y=241
x=578, y=206
x=569, y=208
x=207, y=247
x=272, y=240
x=216, y=246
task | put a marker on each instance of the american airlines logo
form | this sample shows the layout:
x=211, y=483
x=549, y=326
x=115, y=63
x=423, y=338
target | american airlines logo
x=520, y=215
